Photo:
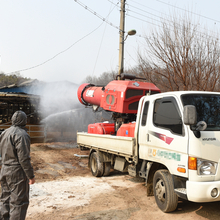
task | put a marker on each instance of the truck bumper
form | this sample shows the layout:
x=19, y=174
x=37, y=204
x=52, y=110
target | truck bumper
x=201, y=191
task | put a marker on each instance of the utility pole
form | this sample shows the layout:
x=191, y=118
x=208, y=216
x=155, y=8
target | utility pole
x=121, y=39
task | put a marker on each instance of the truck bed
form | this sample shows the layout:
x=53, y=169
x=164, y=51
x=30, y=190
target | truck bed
x=109, y=143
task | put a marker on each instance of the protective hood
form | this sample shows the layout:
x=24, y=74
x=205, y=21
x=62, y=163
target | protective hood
x=19, y=118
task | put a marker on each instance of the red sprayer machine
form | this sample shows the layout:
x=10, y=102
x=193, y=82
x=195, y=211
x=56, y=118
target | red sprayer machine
x=121, y=97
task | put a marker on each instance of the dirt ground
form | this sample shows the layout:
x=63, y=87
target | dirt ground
x=65, y=189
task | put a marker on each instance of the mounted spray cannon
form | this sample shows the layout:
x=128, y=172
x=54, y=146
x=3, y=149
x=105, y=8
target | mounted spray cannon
x=119, y=96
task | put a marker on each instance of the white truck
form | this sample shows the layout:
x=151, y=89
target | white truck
x=175, y=148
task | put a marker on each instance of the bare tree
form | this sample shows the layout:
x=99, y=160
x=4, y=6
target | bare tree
x=103, y=79
x=179, y=56
x=6, y=80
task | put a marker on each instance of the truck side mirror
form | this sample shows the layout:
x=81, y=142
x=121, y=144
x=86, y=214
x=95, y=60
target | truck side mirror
x=189, y=115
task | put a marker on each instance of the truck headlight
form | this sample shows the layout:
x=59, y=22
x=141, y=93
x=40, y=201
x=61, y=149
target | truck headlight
x=205, y=167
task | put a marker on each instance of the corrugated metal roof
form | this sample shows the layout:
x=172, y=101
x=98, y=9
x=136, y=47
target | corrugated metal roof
x=24, y=87
x=35, y=87
x=26, y=83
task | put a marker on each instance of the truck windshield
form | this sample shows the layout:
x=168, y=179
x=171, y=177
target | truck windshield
x=208, y=108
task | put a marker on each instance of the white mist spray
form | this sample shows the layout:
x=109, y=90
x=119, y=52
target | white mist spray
x=62, y=113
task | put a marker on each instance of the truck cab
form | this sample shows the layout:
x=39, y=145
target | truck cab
x=188, y=150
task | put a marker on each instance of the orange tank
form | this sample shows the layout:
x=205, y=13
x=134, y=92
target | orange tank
x=126, y=130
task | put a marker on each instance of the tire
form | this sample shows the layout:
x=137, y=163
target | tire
x=97, y=167
x=164, y=194
x=107, y=168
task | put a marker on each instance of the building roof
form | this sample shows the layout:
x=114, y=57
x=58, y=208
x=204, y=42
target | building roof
x=34, y=90
x=23, y=87
x=36, y=87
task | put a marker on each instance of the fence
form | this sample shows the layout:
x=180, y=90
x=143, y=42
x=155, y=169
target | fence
x=41, y=133
x=36, y=132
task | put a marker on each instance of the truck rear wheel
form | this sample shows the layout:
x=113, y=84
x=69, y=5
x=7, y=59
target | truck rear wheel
x=164, y=194
x=107, y=168
x=97, y=167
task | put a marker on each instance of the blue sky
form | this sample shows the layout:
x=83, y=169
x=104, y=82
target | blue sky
x=74, y=41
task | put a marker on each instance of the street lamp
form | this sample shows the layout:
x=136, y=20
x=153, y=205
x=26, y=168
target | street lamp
x=130, y=33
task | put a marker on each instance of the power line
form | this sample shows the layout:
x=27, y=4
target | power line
x=96, y=14
x=148, y=7
x=63, y=51
x=144, y=21
x=143, y=15
x=199, y=32
x=22, y=70
x=132, y=6
x=168, y=29
x=116, y=4
x=108, y=22
x=188, y=11
x=102, y=39
x=213, y=32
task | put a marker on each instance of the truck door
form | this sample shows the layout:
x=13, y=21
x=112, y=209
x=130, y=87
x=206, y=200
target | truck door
x=143, y=136
x=162, y=136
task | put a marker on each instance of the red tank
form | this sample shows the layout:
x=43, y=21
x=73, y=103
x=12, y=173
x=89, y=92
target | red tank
x=101, y=128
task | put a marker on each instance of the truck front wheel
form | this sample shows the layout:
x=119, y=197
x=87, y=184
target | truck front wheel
x=97, y=167
x=164, y=194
